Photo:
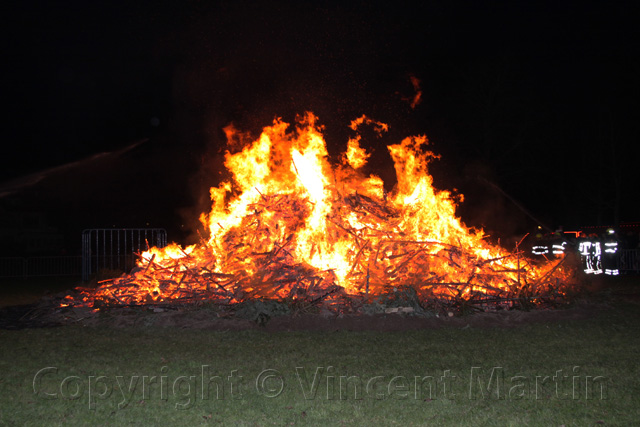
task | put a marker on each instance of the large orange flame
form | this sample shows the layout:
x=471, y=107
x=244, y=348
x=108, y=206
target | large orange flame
x=287, y=212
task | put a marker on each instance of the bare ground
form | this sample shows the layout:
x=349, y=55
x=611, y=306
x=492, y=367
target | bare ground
x=600, y=296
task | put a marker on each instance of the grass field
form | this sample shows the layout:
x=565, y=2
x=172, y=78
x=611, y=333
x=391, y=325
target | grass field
x=562, y=373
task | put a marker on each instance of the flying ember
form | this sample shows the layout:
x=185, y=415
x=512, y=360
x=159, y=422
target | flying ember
x=290, y=224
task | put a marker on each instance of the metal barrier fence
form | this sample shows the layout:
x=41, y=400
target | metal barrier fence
x=115, y=249
x=629, y=261
x=45, y=266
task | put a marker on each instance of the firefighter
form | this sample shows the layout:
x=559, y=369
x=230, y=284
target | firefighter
x=540, y=246
x=557, y=244
x=590, y=251
x=610, y=255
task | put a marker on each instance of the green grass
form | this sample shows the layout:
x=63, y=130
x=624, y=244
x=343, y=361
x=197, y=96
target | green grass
x=97, y=375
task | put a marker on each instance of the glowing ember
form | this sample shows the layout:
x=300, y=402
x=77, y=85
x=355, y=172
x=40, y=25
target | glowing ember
x=290, y=224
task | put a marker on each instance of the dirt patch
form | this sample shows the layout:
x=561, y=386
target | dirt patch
x=602, y=296
x=210, y=320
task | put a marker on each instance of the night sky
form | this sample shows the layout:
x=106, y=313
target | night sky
x=534, y=108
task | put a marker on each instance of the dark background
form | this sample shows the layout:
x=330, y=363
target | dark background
x=533, y=107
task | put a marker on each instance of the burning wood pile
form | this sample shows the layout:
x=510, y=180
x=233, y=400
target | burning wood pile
x=291, y=226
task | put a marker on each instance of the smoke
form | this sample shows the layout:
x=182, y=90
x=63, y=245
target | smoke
x=487, y=206
x=26, y=182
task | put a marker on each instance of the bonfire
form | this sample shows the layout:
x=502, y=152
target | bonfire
x=291, y=225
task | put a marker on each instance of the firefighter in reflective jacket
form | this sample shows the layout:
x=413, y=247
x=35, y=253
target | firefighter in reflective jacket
x=610, y=254
x=540, y=245
x=591, y=253
x=557, y=244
